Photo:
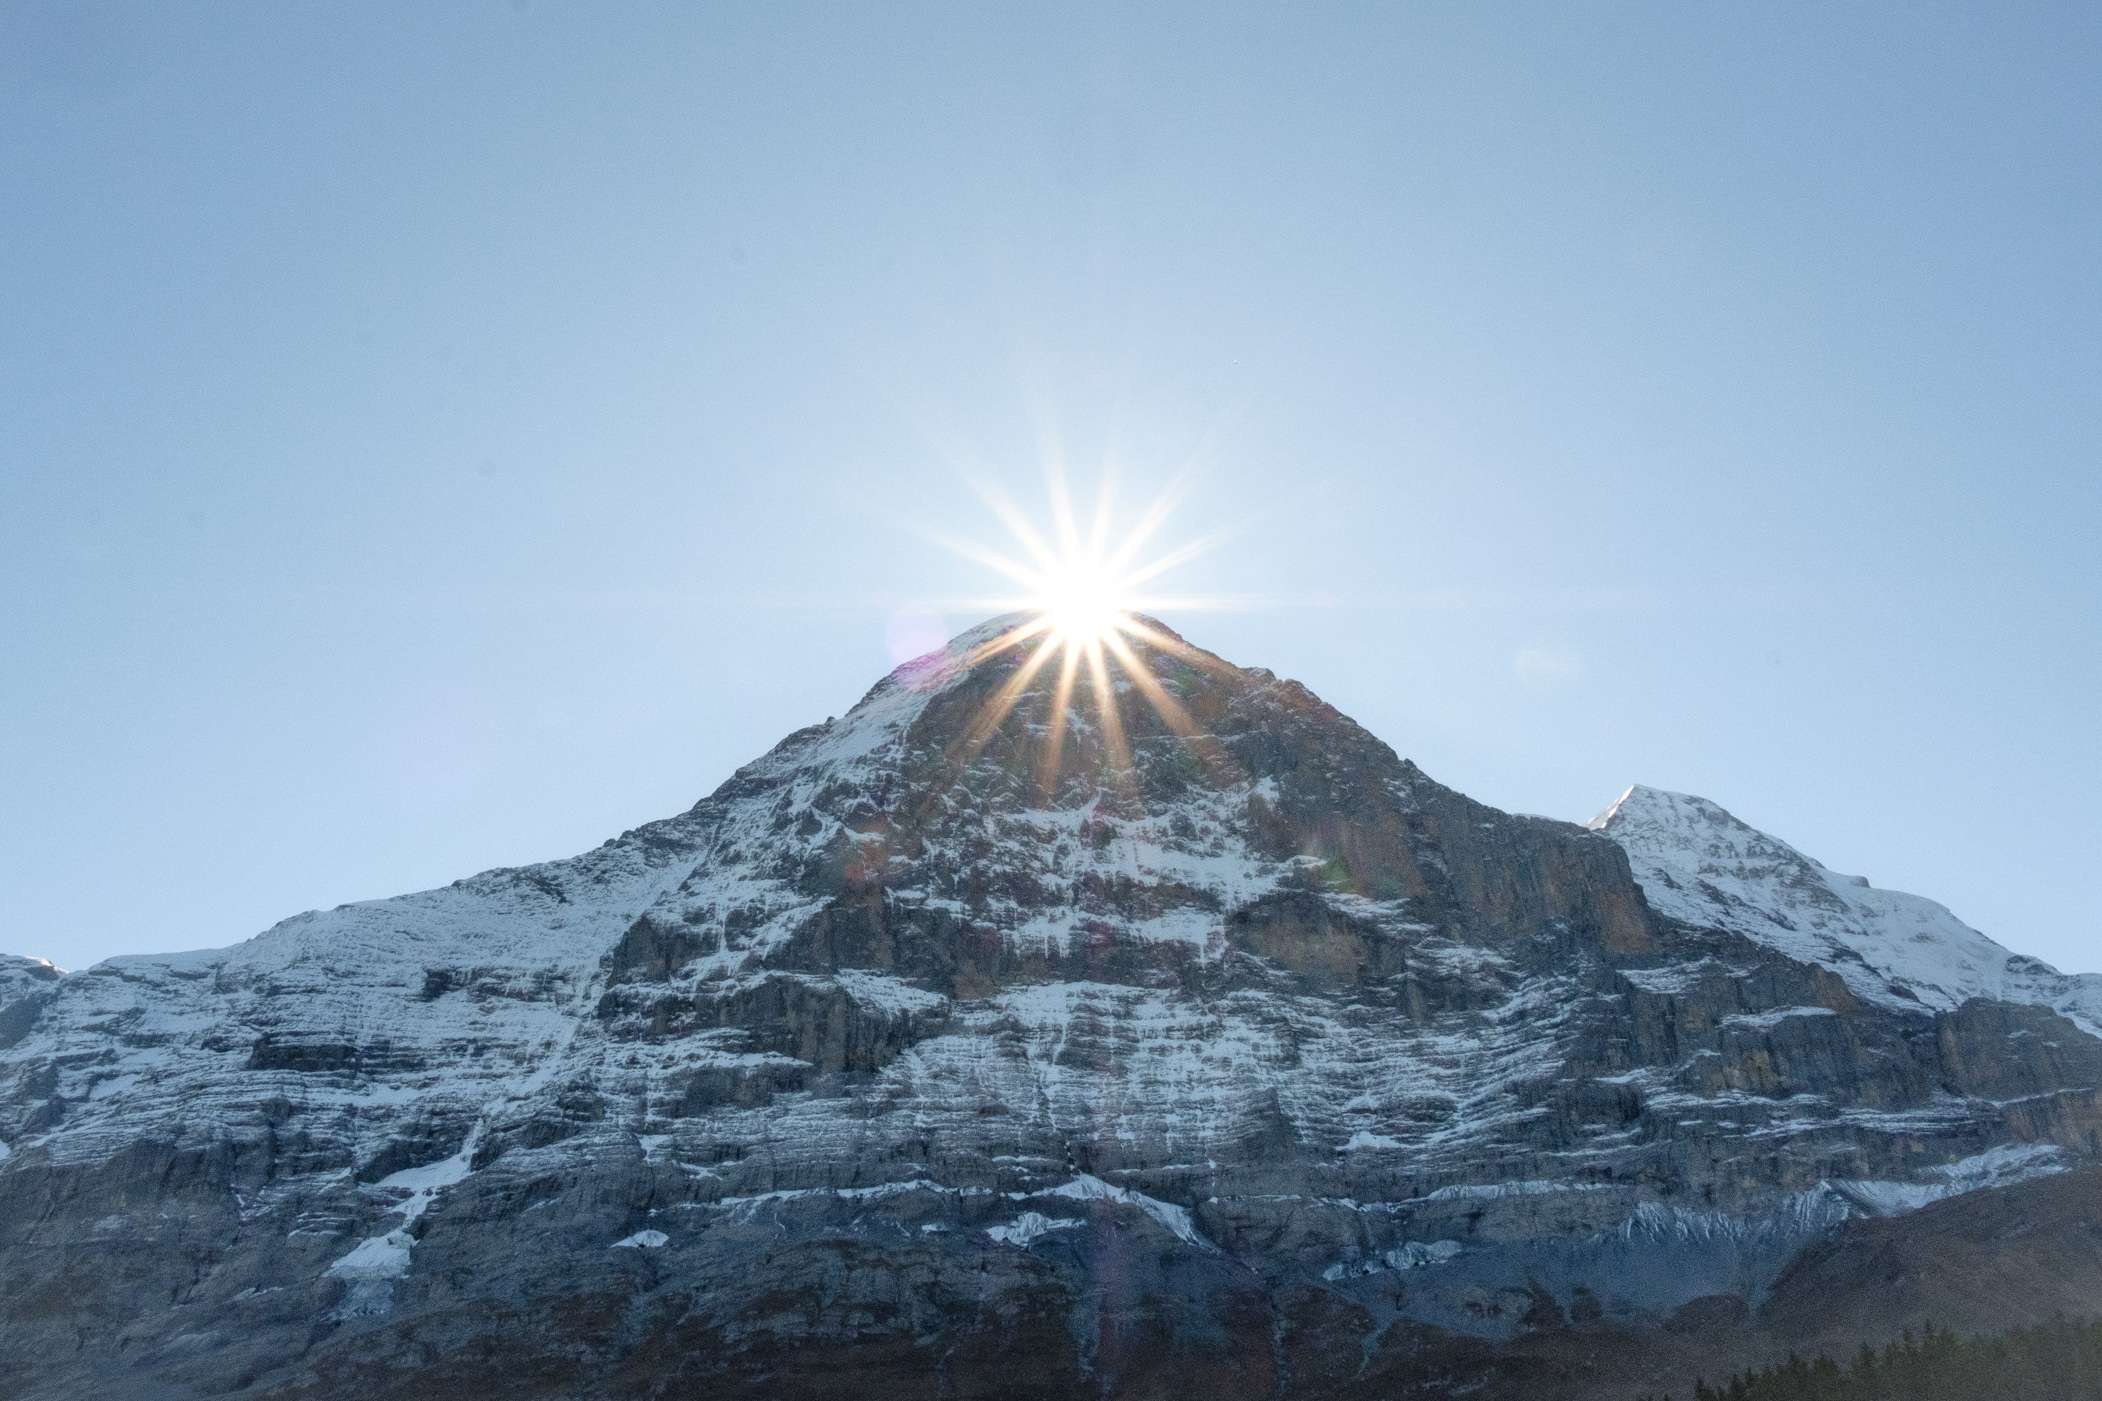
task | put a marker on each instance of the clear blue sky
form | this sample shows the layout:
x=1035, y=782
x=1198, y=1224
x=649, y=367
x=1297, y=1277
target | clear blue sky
x=436, y=437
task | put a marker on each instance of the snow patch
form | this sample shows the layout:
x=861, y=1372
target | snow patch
x=1087, y=1188
x=1677, y=978
x=1495, y=1191
x=387, y=1256
x=889, y=994
x=1996, y=1167
x=1409, y=1255
x=376, y=1257
x=1767, y=1021
x=1031, y=1224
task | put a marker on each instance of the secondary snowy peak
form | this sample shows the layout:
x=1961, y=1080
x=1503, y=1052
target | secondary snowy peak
x=1698, y=863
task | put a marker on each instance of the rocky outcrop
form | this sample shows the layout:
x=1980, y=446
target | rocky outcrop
x=25, y=985
x=1176, y=1029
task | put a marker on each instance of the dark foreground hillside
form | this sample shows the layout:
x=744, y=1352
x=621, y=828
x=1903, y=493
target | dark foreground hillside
x=2059, y=1361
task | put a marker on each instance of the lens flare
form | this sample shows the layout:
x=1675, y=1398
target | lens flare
x=1082, y=604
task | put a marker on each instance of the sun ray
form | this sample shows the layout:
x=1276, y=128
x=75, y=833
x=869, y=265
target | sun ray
x=1176, y=647
x=1195, y=602
x=1031, y=579
x=1171, y=710
x=995, y=710
x=1018, y=524
x=1173, y=559
x=1149, y=522
x=1012, y=637
x=1098, y=533
x=1062, y=518
x=1061, y=705
x=1111, y=720
x=1083, y=596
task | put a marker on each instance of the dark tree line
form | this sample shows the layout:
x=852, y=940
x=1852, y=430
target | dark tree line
x=2058, y=1361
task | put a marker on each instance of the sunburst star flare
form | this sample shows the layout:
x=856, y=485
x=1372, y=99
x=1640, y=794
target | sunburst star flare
x=1081, y=616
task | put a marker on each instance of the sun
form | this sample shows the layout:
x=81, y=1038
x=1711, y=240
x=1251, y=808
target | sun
x=1083, y=600
x=1080, y=583
x=1083, y=604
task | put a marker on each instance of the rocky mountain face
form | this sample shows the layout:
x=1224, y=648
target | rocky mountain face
x=1179, y=1037
x=24, y=985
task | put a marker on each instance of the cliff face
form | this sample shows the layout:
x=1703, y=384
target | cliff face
x=23, y=983
x=1197, y=1037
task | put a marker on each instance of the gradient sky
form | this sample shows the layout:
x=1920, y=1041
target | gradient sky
x=436, y=437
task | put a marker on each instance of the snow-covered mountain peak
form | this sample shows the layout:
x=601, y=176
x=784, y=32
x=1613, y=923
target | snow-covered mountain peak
x=880, y=720
x=1007, y=962
x=1698, y=863
x=1642, y=803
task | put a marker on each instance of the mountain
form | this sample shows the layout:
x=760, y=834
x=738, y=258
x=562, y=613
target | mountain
x=1163, y=1030
x=1699, y=864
